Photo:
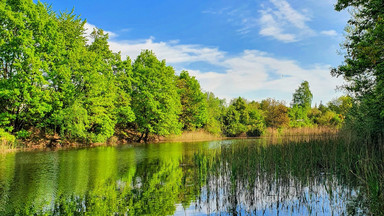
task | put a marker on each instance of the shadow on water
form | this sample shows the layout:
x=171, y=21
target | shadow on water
x=288, y=175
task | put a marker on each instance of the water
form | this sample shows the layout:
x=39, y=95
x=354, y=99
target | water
x=230, y=177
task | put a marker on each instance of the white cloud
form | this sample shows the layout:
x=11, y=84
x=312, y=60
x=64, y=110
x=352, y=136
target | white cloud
x=331, y=33
x=285, y=11
x=270, y=27
x=254, y=71
x=172, y=51
x=89, y=29
x=249, y=73
x=284, y=23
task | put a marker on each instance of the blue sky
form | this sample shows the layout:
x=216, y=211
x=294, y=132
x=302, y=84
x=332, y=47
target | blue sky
x=254, y=49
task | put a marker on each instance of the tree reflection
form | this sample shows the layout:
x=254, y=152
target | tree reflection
x=227, y=177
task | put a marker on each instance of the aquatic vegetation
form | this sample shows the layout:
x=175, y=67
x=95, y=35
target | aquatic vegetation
x=292, y=175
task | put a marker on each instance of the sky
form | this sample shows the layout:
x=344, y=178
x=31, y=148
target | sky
x=255, y=49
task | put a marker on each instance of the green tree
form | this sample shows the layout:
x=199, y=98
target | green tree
x=194, y=105
x=301, y=105
x=123, y=75
x=27, y=36
x=53, y=81
x=215, y=110
x=87, y=108
x=329, y=118
x=256, y=122
x=242, y=118
x=314, y=114
x=341, y=105
x=364, y=64
x=299, y=116
x=155, y=100
x=275, y=112
x=303, y=96
x=236, y=118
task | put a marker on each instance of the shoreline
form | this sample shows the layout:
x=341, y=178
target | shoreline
x=189, y=136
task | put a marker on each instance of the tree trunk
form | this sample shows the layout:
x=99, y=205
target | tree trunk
x=141, y=137
x=146, y=136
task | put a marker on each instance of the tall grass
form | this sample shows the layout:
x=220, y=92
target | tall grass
x=190, y=136
x=305, y=131
x=293, y=163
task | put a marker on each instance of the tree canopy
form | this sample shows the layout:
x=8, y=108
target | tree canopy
x=363, y=67
x=57, y=83
x=155, y=100
x=303, y=96
x=194, y=104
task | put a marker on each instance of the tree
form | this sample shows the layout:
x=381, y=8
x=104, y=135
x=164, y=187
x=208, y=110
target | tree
x=123, y=75
x=243, y=118
x=194, y=105
x=155, y=100
x=256, y=122
x=51, y=80
x=215, y=112
x=236, y=118
x=303, y=96
x=329, y=118
x=299, y=116
x=87, y=106
x=26, y=44
x=275, y=112
x=363, y=67
x=301, y=105
x=341, y=105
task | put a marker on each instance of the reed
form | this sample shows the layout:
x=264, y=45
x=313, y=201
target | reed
x=305, y=131
x=342, y=159
x=190, y=136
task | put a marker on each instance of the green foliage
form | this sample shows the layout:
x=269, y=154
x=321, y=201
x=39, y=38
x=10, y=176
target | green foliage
x=256, y=123
x=23, y=134
x=6, y=138
x=329, y=118
x=364, y=65
x=240, y=118
x=75, y=121
x=303, y=96
x=155, y=100
x=26, y=38
x=194, y=105
x=314, y=114
x=341, y=105
x=298, y=117
x=301, y=105
x=124, y=112
x=365, y=119
x=215, y=111
x=53, y=79
x=275, y=113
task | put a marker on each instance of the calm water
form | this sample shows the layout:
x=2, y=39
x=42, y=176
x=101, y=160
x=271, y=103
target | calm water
x=218, y=177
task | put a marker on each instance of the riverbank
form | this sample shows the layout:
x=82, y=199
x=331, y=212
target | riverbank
x=325, y=174
x=40, y=142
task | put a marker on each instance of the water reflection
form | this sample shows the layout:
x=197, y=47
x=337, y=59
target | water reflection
x=231, y=177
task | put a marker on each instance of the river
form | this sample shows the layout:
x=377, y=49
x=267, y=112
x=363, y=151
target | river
x=226, y=177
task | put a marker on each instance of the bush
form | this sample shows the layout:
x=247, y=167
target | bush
x=6, y=138
x=23, y=134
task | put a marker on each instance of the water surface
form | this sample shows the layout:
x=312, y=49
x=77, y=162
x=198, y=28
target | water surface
x=228, y=177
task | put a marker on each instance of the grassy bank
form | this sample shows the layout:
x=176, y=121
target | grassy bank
x=41, y=141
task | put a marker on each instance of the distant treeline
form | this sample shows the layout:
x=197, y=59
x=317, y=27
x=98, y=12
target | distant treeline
x=55, y=82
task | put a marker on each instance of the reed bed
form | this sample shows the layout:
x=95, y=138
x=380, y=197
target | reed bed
x=191, y=136
x=342, y=160
x=305, y=131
